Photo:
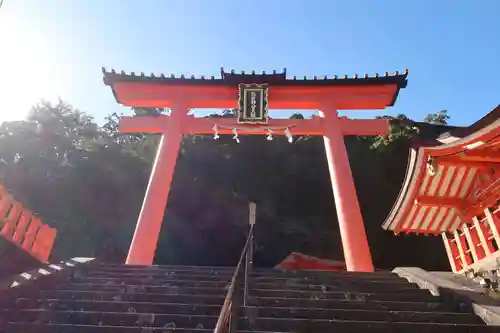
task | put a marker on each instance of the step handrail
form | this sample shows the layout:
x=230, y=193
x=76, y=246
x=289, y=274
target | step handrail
x=228, y=301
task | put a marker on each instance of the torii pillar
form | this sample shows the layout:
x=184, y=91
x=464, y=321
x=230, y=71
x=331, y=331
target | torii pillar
x=354, y=241
x=357, y=254
x=147, y=231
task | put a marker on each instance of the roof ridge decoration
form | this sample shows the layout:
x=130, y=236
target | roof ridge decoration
x=233, y=72
x=112, y=73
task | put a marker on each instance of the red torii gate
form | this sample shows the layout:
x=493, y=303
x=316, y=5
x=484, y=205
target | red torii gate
x=327, y=95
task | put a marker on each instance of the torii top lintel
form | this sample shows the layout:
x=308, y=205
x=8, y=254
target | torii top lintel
x=366, y=92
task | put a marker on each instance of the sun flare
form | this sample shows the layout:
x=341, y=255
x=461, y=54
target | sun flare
x=27, y=68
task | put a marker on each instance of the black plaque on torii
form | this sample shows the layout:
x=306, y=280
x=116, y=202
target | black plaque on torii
x=252, y=102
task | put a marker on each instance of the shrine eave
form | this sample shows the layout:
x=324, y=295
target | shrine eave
x=458, y=133
x=444, y=184
x=112, y=77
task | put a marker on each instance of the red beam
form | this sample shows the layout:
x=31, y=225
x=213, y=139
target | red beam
x=459, y=162
x=425, y=200
x=481, y=155
x=193, y=125
x=478, y=152
x=223, y=96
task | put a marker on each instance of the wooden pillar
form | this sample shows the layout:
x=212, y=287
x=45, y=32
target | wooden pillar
x=30, y=235
x=450, y=251
x=477, y=240
x=487, y=245
x=491, y=221
x=24, y=221
x=42, y=246
x=143, y=247
x=10, y=221
x=472, y=245
x=461, y=249
x=352, y=231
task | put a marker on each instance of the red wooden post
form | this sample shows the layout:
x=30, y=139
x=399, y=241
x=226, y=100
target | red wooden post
x=352, y=231
x=31, y=233
x=482, y=231
x=21, y=227
x=6, y=202
x=452, y=252
x=43, y=243
x=11, y=220
x=143, y=247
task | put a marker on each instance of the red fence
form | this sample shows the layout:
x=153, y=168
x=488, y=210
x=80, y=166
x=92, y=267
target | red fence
x=475, y=246
x=21, y=227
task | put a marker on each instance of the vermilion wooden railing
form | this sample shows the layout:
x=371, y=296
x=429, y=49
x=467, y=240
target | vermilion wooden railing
x=19, y=226
x=475, y=246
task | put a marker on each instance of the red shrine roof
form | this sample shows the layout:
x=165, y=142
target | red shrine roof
x=274, y=79
x=448, y=184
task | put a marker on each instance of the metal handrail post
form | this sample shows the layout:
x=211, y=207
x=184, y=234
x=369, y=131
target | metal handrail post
x=227, y=306
x=249, y=255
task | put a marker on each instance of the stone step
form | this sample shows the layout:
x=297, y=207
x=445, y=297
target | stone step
x=69, y=328
x=187, y=279
x=112, y=306
x=317, y=326
x=123, y=297
x=297, y=322
x=408, y=296
x=359, y=315
x=354, y=327
x=435, y=305
x=342, y=286
x=121, y=267
x=325, y=274
x=158, y=283
x=139, y=296
x=222, y=276
x=183, y=290
x=230, y=270
x=154, y=280
x=258, y=283
x=174, y=285
x=166, y=321
x=119, y=298
x=327, y=279
x=162, y=275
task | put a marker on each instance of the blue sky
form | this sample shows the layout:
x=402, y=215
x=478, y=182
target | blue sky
x=54, y=48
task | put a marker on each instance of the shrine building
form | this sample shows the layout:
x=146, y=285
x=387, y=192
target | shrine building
x=451, y=190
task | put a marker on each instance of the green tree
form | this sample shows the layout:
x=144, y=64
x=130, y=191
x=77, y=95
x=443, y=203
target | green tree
x=438, y=118
x=149, y=111
x=72, y=172
x=88, y=181
x=226, y=113
x=297, y=115
x=401, y=130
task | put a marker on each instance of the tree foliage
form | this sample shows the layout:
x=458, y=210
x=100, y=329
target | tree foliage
x=88, y=181
x=438, y=118
x=401, y=130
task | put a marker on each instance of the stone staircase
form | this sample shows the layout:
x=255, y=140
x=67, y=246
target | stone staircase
x=129, y=299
